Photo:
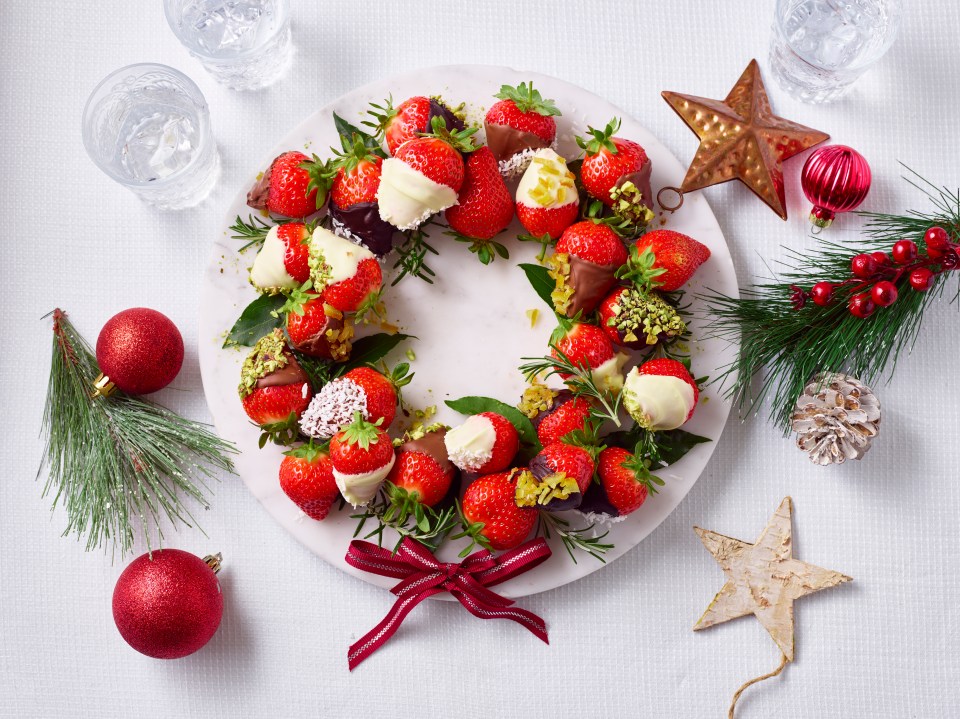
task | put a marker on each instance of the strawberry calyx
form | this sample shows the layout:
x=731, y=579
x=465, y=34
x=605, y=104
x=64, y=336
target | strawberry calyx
x=310, y=451
x=297, y=299
x=371, y=308
x=485, y=250
x=531, y=491
x=403, y=504
x=545, y=241
x=321, y=174
x=640, y=271
x=283, y=433
x=399, y=377
x=528, y=99
x=362, y=433
x=640, y=468
x=381, y=116
x=471, y=530
x=460, y=140
x=587, y=439
x=354, y=151
x=602, y=139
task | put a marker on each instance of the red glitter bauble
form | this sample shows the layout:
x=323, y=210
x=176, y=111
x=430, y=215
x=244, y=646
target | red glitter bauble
x=140, y=350
x=835, y=179
x=168, y=606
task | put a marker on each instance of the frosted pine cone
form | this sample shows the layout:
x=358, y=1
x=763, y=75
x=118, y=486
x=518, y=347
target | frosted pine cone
x=836, y=418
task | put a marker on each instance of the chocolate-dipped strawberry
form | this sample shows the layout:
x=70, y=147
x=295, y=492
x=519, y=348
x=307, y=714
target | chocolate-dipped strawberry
x=547, y=197
x=347, y=275
x=634, y=318
x=353, y=207
x=282, y=261
x=316, y=328
x=411, y=118
x=556, y=478
x=485, y=442
x=554, y=413
x=660, y=394
x=423, y=469
x=274, y=389
x=293, y=186
x=583, y=266
x=363, y=390
x=616, y=171
x=518, y=125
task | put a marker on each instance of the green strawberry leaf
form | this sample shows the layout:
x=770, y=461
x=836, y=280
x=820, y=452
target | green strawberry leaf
x=541, y=281
x=661, y=448
x=476, y=405
x=258, y=318
x=373, y=348
x=351, y=132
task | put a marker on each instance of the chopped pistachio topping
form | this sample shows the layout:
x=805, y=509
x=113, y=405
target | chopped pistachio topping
x=533, y=315
x=562, y=294
x=422, y=417
x=411, y=355
x=340, y=342
x=554, y=181
x=536, y=398
x=320, y=271
x=630, y=204
x=532, y=492
x=639, y=314
x=268, y=355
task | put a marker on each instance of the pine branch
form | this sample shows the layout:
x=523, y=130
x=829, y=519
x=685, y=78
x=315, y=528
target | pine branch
x=119, y=464
x=793, y=344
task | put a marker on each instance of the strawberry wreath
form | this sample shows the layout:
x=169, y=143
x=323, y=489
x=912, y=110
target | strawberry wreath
x=604, y=407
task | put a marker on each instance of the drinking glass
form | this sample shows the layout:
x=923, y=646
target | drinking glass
x=819, y=48
x=244, y=44
x=148, y=127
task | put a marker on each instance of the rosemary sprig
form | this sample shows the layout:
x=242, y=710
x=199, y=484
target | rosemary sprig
x=411, y=257
x=581, y=382
x=573, y=539
x=795, y=344
x=119, y=464
x=254, y=230
x=393, y=508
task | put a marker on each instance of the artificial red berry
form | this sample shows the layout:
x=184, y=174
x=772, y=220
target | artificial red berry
x=821, y=293
x=882, y=258
x=904, y=252
x=921, y=279
x=937, y=240
x=884, y=293
x=863, y=266
x=860, y=305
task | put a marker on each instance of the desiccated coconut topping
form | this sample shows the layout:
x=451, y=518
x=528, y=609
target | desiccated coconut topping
x=333, y=407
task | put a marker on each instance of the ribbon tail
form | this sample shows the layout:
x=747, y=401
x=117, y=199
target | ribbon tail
x=524, y=618
x=380, y=634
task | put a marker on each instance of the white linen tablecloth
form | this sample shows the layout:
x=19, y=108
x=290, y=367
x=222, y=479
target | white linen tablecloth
x=621, y=640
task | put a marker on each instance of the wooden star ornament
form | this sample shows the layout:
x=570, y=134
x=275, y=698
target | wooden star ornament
x=763, y=578
x=741, y=139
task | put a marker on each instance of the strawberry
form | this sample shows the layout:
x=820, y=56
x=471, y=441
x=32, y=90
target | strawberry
x=357, y=179
x=587, y=346
x=362, y=457
x=484, y=207
x=660, y=394
x=348, y=276
x=522, y=120
x=410, y=119
x=306, y=477
x=584, y=266
x=362, y=389
x=491, y=515
x=274, y=389
x=316, y=328
x=634, y=318
x=569, y=414
x=485, y=442
x=609, y=163
x=283, y=260
x=557, y=479
x=288, y=186
x=424, y=176
x=625, y=479
x=676, y=254
x=547, y=197
x=422, y=468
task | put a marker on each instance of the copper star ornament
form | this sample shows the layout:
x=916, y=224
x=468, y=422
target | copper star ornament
x=741, y=139
x=763, y=578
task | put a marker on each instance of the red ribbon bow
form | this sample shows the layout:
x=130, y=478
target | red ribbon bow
x=423, y=576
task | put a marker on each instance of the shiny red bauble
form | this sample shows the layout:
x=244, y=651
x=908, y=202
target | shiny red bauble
x=835, y=178
x=821, y=293
x=140, y=350
x=937, y=240
x=884, y=293
x=863, y=266
x=921, y=279
x=860, y=305
x=904, y=252
x=170, y=605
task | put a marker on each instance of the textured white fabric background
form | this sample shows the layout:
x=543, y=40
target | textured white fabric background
x=621, y=640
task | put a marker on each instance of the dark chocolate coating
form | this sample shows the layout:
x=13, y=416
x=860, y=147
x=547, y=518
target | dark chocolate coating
x=595, y=500
x=363, y=222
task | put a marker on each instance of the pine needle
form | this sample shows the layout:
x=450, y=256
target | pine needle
x=793, y=345
x=119, y=464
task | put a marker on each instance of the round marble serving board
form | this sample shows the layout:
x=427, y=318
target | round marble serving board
x=471, y=324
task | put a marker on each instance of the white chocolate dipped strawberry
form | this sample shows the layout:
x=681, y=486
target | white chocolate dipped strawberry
x=547, y=198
